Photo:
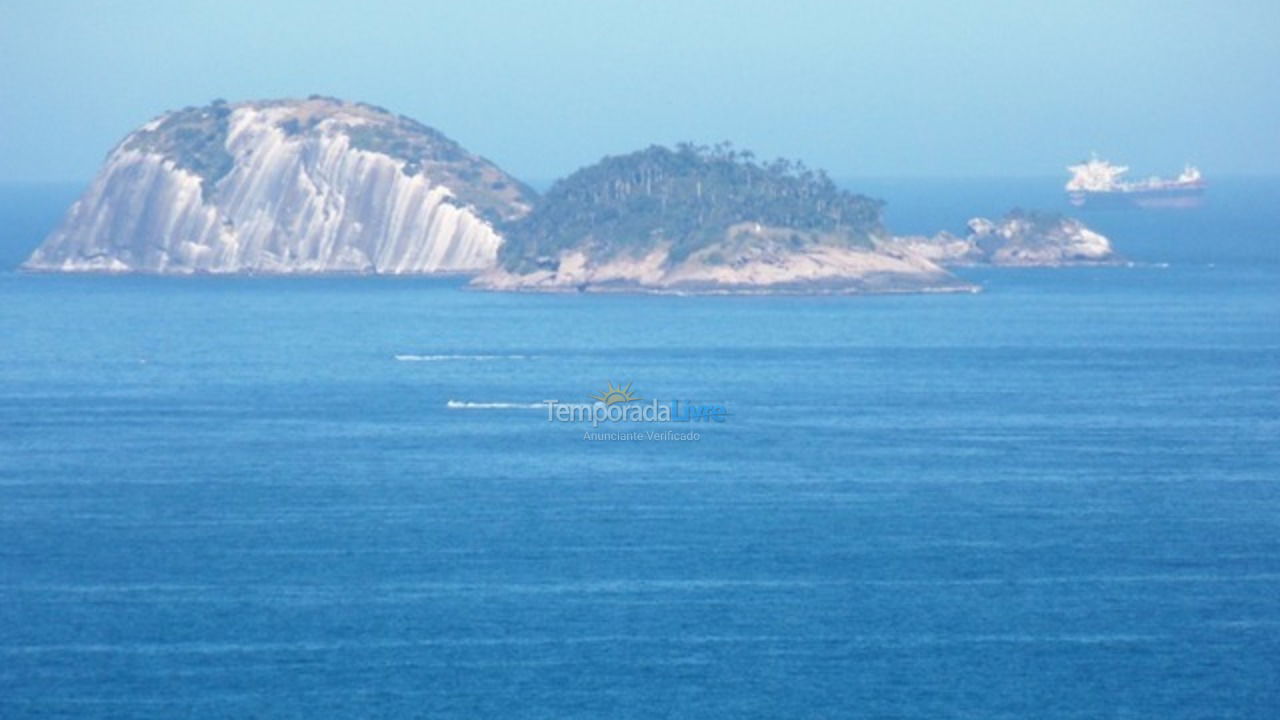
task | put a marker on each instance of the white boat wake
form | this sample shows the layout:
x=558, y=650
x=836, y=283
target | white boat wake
x=462, y=405
x=446, y=358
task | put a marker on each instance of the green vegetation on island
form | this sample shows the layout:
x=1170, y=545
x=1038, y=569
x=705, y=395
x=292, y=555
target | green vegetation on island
x=195, y=138
x=687, y=198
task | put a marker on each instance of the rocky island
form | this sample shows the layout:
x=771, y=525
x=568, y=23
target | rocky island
x=1020, y=238
x=706, y=220
x=323, y=186
x=286, y=186
x=712, y=220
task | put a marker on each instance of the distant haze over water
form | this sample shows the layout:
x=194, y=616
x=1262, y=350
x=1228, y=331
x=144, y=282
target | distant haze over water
x=985, y=88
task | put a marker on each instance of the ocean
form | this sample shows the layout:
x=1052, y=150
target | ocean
x=342, y=497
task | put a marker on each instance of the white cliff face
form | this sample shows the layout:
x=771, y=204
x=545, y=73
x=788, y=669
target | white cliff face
x=291, y=202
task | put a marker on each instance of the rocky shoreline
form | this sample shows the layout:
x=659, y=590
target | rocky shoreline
x=760, y=264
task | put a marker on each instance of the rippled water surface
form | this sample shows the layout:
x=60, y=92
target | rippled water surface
x=342, y=498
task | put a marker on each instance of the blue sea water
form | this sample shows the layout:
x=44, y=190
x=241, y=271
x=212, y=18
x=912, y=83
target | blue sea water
x=1058, y=498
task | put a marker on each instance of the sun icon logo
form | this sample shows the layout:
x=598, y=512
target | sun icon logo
x=617, y=394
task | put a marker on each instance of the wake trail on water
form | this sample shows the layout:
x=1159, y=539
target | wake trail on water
x=463, y=405
x=445, y=358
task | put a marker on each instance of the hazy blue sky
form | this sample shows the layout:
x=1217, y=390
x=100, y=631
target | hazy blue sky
x=860, y=88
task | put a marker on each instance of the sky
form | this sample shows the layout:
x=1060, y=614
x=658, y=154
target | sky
x=863, y=89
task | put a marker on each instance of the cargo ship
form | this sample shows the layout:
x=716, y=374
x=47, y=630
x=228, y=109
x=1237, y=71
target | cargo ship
x=1098, y=183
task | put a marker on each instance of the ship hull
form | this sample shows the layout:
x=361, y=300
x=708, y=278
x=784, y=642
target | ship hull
x=1173, y=198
